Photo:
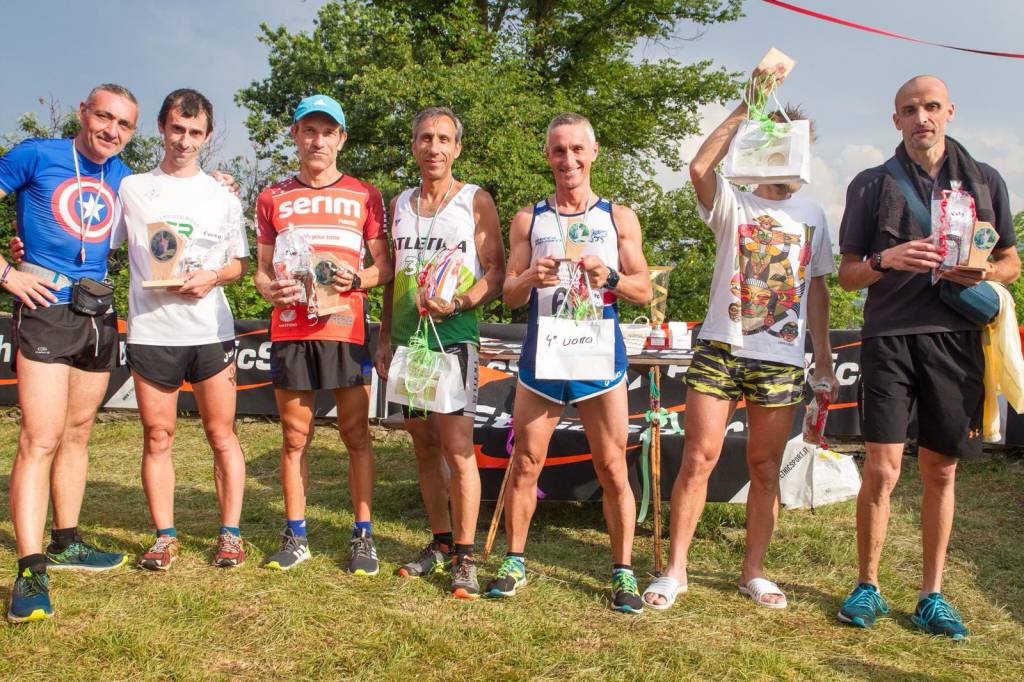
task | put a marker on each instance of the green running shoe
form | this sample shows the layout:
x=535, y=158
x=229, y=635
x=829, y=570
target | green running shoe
x=430, y=560
x=863, y=606
x=936, y=616
x=30, y=598
x=81, y=556
x=464, y=584
x=511, y=576
x=625, y=593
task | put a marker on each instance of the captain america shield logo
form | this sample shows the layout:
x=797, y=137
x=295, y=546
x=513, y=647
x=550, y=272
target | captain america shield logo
x=96, y=208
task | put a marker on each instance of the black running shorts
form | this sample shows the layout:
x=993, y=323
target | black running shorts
x=469, y=363
x=171, y=365
x=59, y=334
x=319, y=365
x=942, y=373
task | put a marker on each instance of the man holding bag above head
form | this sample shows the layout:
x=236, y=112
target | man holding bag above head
x=335, y=216
x=768, y=288
x=442, y=229
x=573, y=255
x=917, y=349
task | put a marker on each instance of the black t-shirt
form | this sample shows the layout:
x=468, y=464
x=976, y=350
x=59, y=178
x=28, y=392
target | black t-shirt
x=906, y=302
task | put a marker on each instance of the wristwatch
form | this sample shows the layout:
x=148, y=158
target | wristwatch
x=613, y=279
x=456, y=308
x=356, y=282
x=876, y=263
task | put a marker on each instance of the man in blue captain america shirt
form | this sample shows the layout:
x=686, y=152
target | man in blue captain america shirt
x=66, y=201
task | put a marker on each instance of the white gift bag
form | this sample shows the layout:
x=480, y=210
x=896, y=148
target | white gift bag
x=757, y=158
x=811, y=476
x=438, y=388
x=572, y=349
x=581, y=350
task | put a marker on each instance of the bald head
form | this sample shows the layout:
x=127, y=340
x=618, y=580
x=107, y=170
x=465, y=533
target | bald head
x=921, y=83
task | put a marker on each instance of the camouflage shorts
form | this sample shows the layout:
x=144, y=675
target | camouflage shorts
x=715, y=371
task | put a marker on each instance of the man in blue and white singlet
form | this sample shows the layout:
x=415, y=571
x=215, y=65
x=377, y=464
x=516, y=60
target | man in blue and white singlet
x=609, y=240
x=66, y=201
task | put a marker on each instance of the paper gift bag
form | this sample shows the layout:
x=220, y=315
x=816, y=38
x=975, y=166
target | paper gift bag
x=571, y=349
x=759, y=157
x=439, y=388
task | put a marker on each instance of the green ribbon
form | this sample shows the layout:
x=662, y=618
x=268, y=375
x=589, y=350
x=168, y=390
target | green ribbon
x=756, y=97
x=665, y=419
x=423, y=369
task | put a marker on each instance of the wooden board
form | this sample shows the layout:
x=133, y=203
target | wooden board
x=775, y=58
x=164, y=247
x=328, y=300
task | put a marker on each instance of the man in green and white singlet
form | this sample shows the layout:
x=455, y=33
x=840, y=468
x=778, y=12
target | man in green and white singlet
x=443, y=218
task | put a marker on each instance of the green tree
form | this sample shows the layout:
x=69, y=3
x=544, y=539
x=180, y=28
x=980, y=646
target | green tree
x=506, y=68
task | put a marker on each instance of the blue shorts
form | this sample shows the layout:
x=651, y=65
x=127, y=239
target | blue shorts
x=563, y=391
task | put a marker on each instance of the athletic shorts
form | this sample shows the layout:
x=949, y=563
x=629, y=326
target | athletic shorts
x=319, y=365
x=942, y=373
x=715, y=371
x=59, y=334
x=564, y=391
x=469, y=364
x=171, y=365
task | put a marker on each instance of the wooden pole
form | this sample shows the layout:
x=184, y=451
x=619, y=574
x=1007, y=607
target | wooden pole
x=499, y=507
x=656, y=472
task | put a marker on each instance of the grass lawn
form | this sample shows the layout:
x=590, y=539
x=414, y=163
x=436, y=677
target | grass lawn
x=317, y=622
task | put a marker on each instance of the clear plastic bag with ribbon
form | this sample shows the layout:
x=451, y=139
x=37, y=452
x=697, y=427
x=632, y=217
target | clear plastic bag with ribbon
x=292, y=255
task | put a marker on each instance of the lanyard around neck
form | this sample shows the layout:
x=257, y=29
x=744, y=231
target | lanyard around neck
x=82, y=226
x=430, y=228
x=564, y=232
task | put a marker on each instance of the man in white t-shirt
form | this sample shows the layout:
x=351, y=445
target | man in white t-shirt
x=773, y=253
x=185, y=333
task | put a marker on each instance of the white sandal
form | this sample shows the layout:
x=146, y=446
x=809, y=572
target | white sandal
x=758, y=588
x=668, y=588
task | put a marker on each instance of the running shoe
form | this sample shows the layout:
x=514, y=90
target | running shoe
x=625, y=592
x=464, y=584
x=936, y=616
x=230, y=552
x=81, y=556
x=30, y=598
x=161, y=555
x=511, y=576
x=363, y=560
x=294, y=550
x=863, y=606
x=430, y=560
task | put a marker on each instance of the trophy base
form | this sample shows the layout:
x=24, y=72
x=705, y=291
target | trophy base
x=163, y=283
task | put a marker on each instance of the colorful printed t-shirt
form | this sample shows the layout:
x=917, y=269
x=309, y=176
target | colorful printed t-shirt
x=205, y=213
x=454, y=228
x=52, y=208
x=339, y=218
x=766, y=252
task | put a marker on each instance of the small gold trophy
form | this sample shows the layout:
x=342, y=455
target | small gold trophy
x=165, y=248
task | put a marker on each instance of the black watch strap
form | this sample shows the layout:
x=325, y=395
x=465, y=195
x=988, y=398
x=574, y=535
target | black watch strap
x=876, y=263
x=613, y=279
x=356, y=282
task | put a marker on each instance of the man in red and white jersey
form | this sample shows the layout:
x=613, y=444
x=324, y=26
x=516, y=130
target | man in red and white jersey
x=339, y=214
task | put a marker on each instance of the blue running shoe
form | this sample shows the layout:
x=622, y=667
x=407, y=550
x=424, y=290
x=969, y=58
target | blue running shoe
x=511, y=576
x=30, y=598
x=936, y=616
x=863, y=606
x=80, y=556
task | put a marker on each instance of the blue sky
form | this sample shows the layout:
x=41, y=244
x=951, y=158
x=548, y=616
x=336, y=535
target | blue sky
x=844, y=78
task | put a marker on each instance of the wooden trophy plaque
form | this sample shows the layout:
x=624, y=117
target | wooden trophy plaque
x=983, y=240
x=777, y=60
x=165, y=248
x=324, y=264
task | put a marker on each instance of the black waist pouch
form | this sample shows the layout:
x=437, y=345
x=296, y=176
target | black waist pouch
x=90, y=297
